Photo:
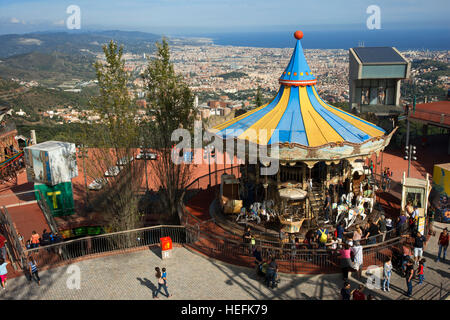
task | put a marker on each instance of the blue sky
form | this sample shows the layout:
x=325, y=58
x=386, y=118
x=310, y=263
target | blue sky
x=194, y=16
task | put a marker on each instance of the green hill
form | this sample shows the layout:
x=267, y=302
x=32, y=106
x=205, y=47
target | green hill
x=48, y=68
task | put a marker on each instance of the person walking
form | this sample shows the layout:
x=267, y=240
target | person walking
x=409, y=276
x=387, y=272
x=33, y=270
x=443, y=244
x=419, y=242
x=3, y=272
x=346, y=262
x=357, y=253
x=420, y=270
x=161, y=284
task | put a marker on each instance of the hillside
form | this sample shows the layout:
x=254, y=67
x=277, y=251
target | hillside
x=48, y=68
x=75, y=42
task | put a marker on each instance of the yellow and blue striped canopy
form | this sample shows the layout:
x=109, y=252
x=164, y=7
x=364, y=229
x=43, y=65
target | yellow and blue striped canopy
x=298, y=115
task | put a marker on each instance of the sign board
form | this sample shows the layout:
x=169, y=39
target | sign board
x=59, y=198
x=51, y=162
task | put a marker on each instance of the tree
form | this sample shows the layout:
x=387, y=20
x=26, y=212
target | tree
x=258, y=98
x=113, y=142
x=171, y=106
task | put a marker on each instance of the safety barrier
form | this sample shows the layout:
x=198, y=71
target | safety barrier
x=90, y=247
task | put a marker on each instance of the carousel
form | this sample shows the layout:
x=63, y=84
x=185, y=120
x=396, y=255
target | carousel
x=320, y=149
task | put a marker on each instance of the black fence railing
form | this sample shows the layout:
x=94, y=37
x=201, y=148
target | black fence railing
x=117, y=242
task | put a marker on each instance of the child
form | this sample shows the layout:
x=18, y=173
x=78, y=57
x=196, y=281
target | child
x=387, y=271
x=33, y=270
x=420, y=270
x=164, y=276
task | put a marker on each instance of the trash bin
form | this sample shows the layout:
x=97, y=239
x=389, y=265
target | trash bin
x=166, y=247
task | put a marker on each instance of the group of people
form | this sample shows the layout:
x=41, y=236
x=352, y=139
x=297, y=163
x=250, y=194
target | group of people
x=47, y=238
x=355, y=294
x=269, y=270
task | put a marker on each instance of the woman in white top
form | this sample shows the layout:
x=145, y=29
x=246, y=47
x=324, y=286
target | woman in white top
x=357, y=252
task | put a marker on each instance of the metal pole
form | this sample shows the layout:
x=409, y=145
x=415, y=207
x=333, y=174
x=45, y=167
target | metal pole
x=209, y=165
x=409, y=158
x=407, y=125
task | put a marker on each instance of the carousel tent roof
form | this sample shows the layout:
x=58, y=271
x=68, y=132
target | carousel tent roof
x=298, y=115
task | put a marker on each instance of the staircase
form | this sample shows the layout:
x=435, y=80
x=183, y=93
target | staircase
x=316, y=201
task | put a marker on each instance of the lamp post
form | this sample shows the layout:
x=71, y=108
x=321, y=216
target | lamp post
x=410, y=154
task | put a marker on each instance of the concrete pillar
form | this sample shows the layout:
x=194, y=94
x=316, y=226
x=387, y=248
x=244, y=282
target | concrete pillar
x=33, y=137
x=397, y=93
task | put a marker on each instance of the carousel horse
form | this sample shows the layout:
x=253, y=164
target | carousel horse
x=342, y=210
x=353, y=214
x=251, y=215
x=350, y=196
x=362, y=200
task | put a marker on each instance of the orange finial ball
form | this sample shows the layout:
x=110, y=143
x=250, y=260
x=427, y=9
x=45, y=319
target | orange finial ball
x=298, y=34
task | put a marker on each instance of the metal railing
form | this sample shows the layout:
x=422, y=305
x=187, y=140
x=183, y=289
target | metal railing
x=118, y=242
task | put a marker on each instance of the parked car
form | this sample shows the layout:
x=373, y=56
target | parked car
x=112, y=172
x=147, y=155
x=124, y=161
x=97, y=184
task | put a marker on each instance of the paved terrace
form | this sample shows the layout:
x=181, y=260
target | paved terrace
x=192, y=276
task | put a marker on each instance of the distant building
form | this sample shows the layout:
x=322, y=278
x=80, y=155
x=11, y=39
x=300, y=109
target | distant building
x=141, y=103
x=375, y=74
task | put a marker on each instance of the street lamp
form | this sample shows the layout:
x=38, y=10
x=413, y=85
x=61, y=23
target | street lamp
x=410, y=152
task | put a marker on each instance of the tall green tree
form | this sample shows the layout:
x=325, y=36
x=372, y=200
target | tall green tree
x=113, y=142
x=258, y=98
x=171, y=106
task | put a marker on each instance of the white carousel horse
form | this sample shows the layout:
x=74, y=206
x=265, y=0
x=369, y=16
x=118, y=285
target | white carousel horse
x=248, y=216
x=353, y=214
x=342, y=210
x=362, y=200
x=350, y=196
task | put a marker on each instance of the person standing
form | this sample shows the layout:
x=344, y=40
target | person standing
x=419, y=241
x=372, y=233
x=345, y=291
x=33, y=270
x=387, y=272
x=431, y=213
x=443, y=244
x=420, y=270
x=2, y=247
x=382, y=227
x=358, y=293
x=328, y=209
x=357, y=252
x=3, y=272
x=322, y=237
x=346, y=262
x=271, y=273
x=409, y=276
x=340, y=231
x=161, y=284
x=34, y=239
x=357, y=234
